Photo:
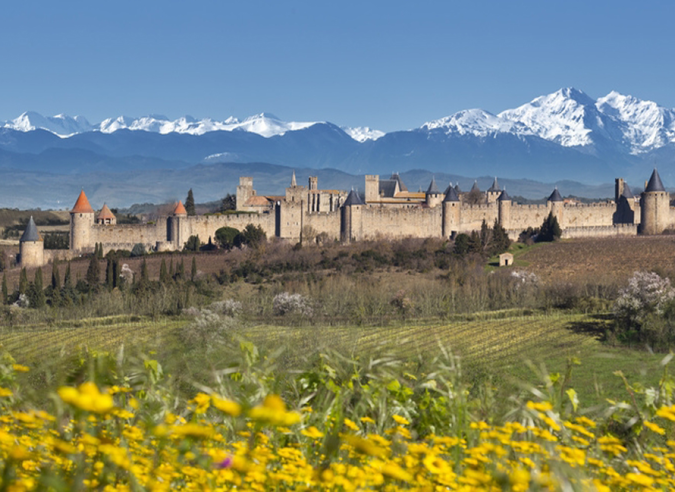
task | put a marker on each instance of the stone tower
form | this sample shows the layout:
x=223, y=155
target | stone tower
x=350, y=224
x=556, y=206
x=32, y=247
x=244, y=191
x=313, y=183
x=504, y=209
x=451, y=212
x=654, y=206
x=372, y=188
x=433, y=195
x=81, y=224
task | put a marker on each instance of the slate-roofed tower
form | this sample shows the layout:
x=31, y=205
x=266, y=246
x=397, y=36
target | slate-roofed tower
x=32, y=248
x=350, y=224
x=504, y=209
x=434, y=197
x=494, y=191
x=556, y=206
x=452, y=213
x=81, y=225
x=654, y=206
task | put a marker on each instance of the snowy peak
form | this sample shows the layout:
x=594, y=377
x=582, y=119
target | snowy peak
x=61, y=125
x=567, y=116
x=475, y=122
x=362, y=133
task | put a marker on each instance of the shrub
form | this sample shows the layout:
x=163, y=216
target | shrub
x=550, y=229
x=193, y=243
x=138, y=250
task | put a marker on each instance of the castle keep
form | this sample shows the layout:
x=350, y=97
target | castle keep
x=386, y=210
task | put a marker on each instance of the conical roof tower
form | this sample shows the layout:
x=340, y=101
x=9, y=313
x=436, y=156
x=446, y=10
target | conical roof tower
x=180, y=209
x=433, y=189
x=495, y=186
x=504, y=197
x=352, y=199
x=655, y=183
x=82, y=205
x=555, y=196
x=451, y=195
x=31, y=233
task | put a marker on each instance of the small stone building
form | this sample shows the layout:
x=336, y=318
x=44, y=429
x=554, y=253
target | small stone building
x=505, y=259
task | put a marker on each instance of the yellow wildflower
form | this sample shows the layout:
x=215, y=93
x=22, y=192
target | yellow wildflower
x=273, y=411
x=87, y=397
x=20, y=368
x=351, y=425
x=226, y=406
x=400, y=420
x=5, y=392
x=312, y=432
x=654, y=428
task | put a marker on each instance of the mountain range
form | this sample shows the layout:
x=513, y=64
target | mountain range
x=566, y=135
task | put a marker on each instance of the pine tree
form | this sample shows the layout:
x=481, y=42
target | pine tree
x=23, y=281
x=93, y=272
x=56, y=277
x=193, y=273
x=190, y=203
x=163, y=273
x=68, y=278
x=38, y=285
x=5, y=290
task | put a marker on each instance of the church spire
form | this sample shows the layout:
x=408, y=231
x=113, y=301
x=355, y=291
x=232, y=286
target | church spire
x=293, y=181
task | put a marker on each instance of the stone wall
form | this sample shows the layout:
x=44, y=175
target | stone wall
x=524, y=216
x=600, y=231
x=399, y=222
x=323, y=222
x=588, y=215
x=472, y=216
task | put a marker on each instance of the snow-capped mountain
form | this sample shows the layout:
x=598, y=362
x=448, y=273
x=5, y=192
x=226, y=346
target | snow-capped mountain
x=476, y=122
x=61, y=125
x=264, y=124
x=362, y=133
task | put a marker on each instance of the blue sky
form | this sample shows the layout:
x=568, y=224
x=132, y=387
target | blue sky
x=387, y=65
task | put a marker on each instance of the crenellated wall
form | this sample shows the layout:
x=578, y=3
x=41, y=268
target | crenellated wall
x=600, y=231
x=323, y=222
x=588, y=215
x=472, y=216
x=524, y=216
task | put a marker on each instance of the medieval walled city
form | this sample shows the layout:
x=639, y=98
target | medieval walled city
x=387, y=209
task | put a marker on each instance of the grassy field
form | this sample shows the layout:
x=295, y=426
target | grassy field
x=494, y=345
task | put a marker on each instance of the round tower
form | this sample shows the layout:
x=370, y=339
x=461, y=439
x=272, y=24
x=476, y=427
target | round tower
x=81, y=225
x=32, y=248
x=504, y=207
x=179, y=215
x=654, y=206
x=557, y=206
x=350, y=215
x=451, y=212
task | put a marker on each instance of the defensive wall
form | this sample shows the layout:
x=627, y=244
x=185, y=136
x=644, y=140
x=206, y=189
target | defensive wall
x=386, y=212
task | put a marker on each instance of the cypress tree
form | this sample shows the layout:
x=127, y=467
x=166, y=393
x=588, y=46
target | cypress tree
x=23, y=281
x=109, y=275
x=171, y=270
x=193, y=273
x=145, y=278
x=5, y=291
x=190, y=203
x=180, y=275
x=56, y=277
x=68, y=278
x=93, y=272
x=163, y=273
x=38, y=285
x=117, y=273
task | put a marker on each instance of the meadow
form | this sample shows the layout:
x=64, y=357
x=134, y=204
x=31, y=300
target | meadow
x=374, y=366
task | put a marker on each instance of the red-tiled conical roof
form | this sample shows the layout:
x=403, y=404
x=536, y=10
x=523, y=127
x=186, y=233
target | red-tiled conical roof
x=82, y=205
x=105, y=213
x=180, y=209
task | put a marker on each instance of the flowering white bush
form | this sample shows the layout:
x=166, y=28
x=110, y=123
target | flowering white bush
x=208, y=328
x=286, y=303
x=524, y=278
x=22, y=301
x=228, y=307
x=645, y=294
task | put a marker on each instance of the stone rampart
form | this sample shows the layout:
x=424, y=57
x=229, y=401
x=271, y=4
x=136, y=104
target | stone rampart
x=600, y=231
x=399, y=222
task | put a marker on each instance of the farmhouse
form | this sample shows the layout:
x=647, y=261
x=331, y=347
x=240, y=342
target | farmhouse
x=386, y=210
